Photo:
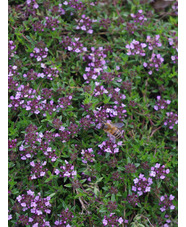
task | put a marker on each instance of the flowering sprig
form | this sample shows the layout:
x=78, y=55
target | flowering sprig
x=136, y=48
x=64, y=102
x=109, y=147
x=73, y=44
x=173, y=41
x=161, y=103
x=116, y=96
x=75, y=4
x=48, y=72
x=35, y=205
x=11, y=49
x=86, y=122
x=40, y=52
x=12, y=144
x=166, y=203
x=153, y=42
x=30, y=75
x=85, y=24
x=105, y=23
x=133, y=199
x=139, y=18
x=130, y=168
x=112, y=220
x=65, y=218
x=32, y=4
x=67, y=170
x=38, y=170
x=142, y=185
x=175, y=7
x=87, y=155
x=96, y=63
x=51, y=23
x=171, y=120
x=174, y=59
x=13, y=71
x=99, y=90
x=106, y=111
x=131, y=27
x=154, y=63
x=159, y=171
x=9, y=216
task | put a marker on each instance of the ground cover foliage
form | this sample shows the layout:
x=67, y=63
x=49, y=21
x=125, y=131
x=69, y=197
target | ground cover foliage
x=73, y=65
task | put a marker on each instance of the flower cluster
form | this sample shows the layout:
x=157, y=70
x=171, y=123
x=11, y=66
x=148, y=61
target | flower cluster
x=85, y=24
x=32, y=3
x=174, y=43
x=106, y=111
x=38, y=170
x=87, y=155
x=130, y=168
x=136, y=48
x=11, y=49
x=40, y=52
x=12, y=71
x=159, y=171
x=153, y=42
x=67, y=170
x=38, y=26
x=133, y=199
x=30, y=75
x=166, y=203
x=131, y=27
x=112, y=220
x=35, y=142
x=12, y=144
x=139, y=18
x=116, y=96
x=109, y=147
x=105, y=23
x=73, y=44
x=35, y=205
x=51, y=23
x=64, y=102
x=111, y=206
x=49, y=153
x=75, y=4
x=172, y=120
x=96, y=63
x=174, y=59
x=56, y=10
x=73, y=129
x=86, y=122
x=48, y=72
x=168, y=221
x=65, y=218
x=107, y=77
x=161, y=103
x=31, y=7
x=142, y=185
x=154, y=63
x=99, y=89
x=126, y=85
x=9, y=216
x=12, y=84
x=175, y=7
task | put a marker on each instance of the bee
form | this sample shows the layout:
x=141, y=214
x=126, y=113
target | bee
x=113, y=130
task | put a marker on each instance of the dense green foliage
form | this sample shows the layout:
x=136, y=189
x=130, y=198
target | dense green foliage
x=73, y=66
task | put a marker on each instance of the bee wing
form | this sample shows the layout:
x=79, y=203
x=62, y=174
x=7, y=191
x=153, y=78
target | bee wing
x=112, y=138
x=118, y=125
